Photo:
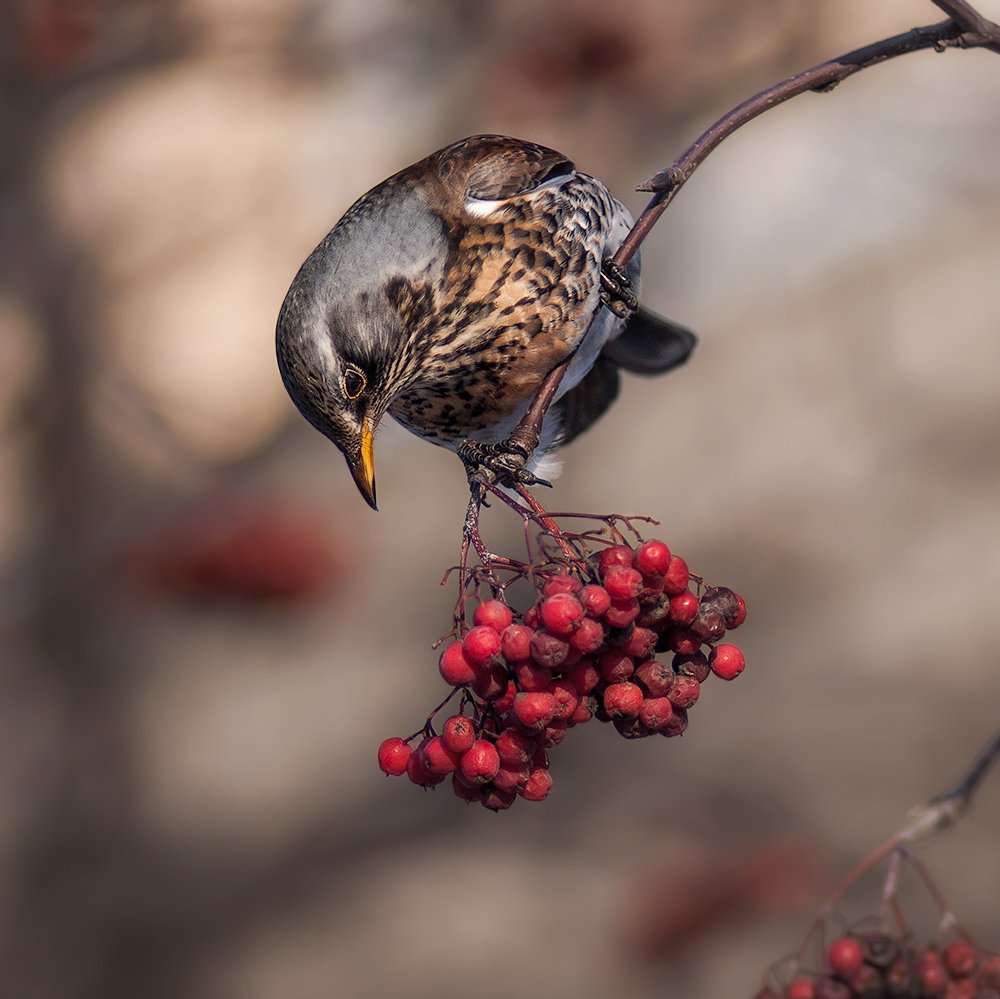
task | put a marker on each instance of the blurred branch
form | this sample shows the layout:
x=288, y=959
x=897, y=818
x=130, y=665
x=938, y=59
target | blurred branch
x=966, y=28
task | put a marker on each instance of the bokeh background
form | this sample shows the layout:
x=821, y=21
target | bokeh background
x=206, y=633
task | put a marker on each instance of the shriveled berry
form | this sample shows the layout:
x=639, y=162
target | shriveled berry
x=960, y=958
x=622, y=700
x=566, y=697
x=844, y=956
x=621, y=613
x=709, y=625
x=683, y=607
x=726, y=661
x=651, y=558
x=595, y=599
x=393, y=755
x=640, y=644
x=458, y=734
x=631, y=728
x=584, y=676
x=493, y=614
x=511, y=780
x=437, y=758
x=684, y=691
x=678, y=723
x=491, y=682
x=553, y=733
x=480, y=763
x=515, y=643
x=588, y=637
x=677, y=576
x=618, y=555
x=496, y=800
x=481, y=644
x=561, y=613
x=455, y=666
x=563, y=582
x=514, y=748
x=656, y=678
x=615, y=665
x=534, y=710
x=656, y=712
x=538, y=785
x=529, y=676
x=623, y=583
x=654, y=615
x=548, y=650
x=695, y=665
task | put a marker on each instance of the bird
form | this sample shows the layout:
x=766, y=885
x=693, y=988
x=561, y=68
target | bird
x=447, y=293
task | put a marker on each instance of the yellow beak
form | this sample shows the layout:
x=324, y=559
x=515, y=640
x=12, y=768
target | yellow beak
x=362, y=465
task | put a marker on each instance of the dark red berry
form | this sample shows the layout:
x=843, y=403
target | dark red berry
x=538, y=785
x=654, y=615
x=514, y=748
x=709, y=625
x=534, y=710
x=622, y=700
x=584, y=676
x=588, y=637
x=829, y=988
x=844, y=956
x=651, y=558
x=505, y=701
x=621, y=613
x=393, y=755
x=615, y=666
x=656, y=712
x=726, y=661
x=619, y=555
x=553, y=733
x=566, y=697
x=549, y=650
x=595, y=600
x=491, y=682
x=678, y=723
x=458, y=734
x=962, y=988
x=480, y=763
x=455, y=666
x=623, y=583
x=437, y=758
x=741, y=613
x=511, y=780
x=493, y=614
x=683, y=607
x=529, y=676
x=677, y=576
x=640, y=644
x=681, y=640
x=496, y=800
x=684, y=691
x=561, y=583
x=417, y=771
x=932, y=973
x=561, y=613
x=584, y=711
x=532, y=617
x=656, y=678
x=462, y=789
x=515, y=643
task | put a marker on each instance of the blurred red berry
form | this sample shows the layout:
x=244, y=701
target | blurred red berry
x=584, y=676
x=844, y=956
x=801, y=988
x=417, y=771
x=505, y=701
x=829, y=988
x=464, y=790
x=511, y=780
x=393, y=755
x=960, y=958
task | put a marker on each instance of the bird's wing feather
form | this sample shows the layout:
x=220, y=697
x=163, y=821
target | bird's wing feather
x=587, y=401
x=510, y=170
x=650, y=344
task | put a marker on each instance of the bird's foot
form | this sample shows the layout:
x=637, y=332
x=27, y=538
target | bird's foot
x=616, y=289
x=504, y=462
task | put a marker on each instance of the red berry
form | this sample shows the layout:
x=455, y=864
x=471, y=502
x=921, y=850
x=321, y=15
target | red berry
x=963, y=988
x=534, y=710
x=741, y=613
x=640, y=644
x=801, y=988
x=622, y=700
x=480, y=762
x=532, y=618
x=458, y=734
x=616, y=666
x=540, y=758
x=656, y=678
x=683, y=607
x=682, y=641
x=566, y=697
x=553, y=733
x=505, y=701
x=621, y=613
x=515, y=643
x=709, y=625
x=678, y=723
x=651, y=558
x=829, y=988
x=595, y=599
x=623, y=583
x=656, y=712
x=619, y=555
x=515, y=748
x=418, y=772
x=932, y=973
x=844, y=956
x=561, y=613
x=561, y=583
x=481, y=644
x=493, y=614
x=588, y=637
x=726, y=661
x=583, y=713
x=511, y=780
x=496, y=800
x=538, y=785
x=462, y=789
x=393, y=755
x=455, y=666
x=548, y=650
x=491, y=682
x=677, y=576
x=437, y=758
x=960, y=958
x=529, y=676
x=584, y=676
x=684, y=691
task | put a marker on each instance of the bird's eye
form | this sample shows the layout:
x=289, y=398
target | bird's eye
x=354, y=383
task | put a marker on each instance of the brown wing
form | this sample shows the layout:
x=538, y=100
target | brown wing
x=504, y=167
x=587, y=401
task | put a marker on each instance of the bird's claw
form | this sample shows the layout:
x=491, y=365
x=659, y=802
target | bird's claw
x=616, y=289
x=504, y=462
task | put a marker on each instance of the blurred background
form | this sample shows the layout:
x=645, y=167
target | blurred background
x=206, y=633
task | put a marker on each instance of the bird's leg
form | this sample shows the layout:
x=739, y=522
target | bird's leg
x=616, y=289
x=504, y=461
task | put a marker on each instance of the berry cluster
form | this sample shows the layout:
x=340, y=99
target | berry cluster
x=586, y=648
x=873, y=965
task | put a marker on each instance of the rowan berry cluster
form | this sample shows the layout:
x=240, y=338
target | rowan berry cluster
x=625, y=634
x=873, y=965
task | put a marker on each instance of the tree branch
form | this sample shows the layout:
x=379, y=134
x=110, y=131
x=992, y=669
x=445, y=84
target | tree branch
x=965, y=29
